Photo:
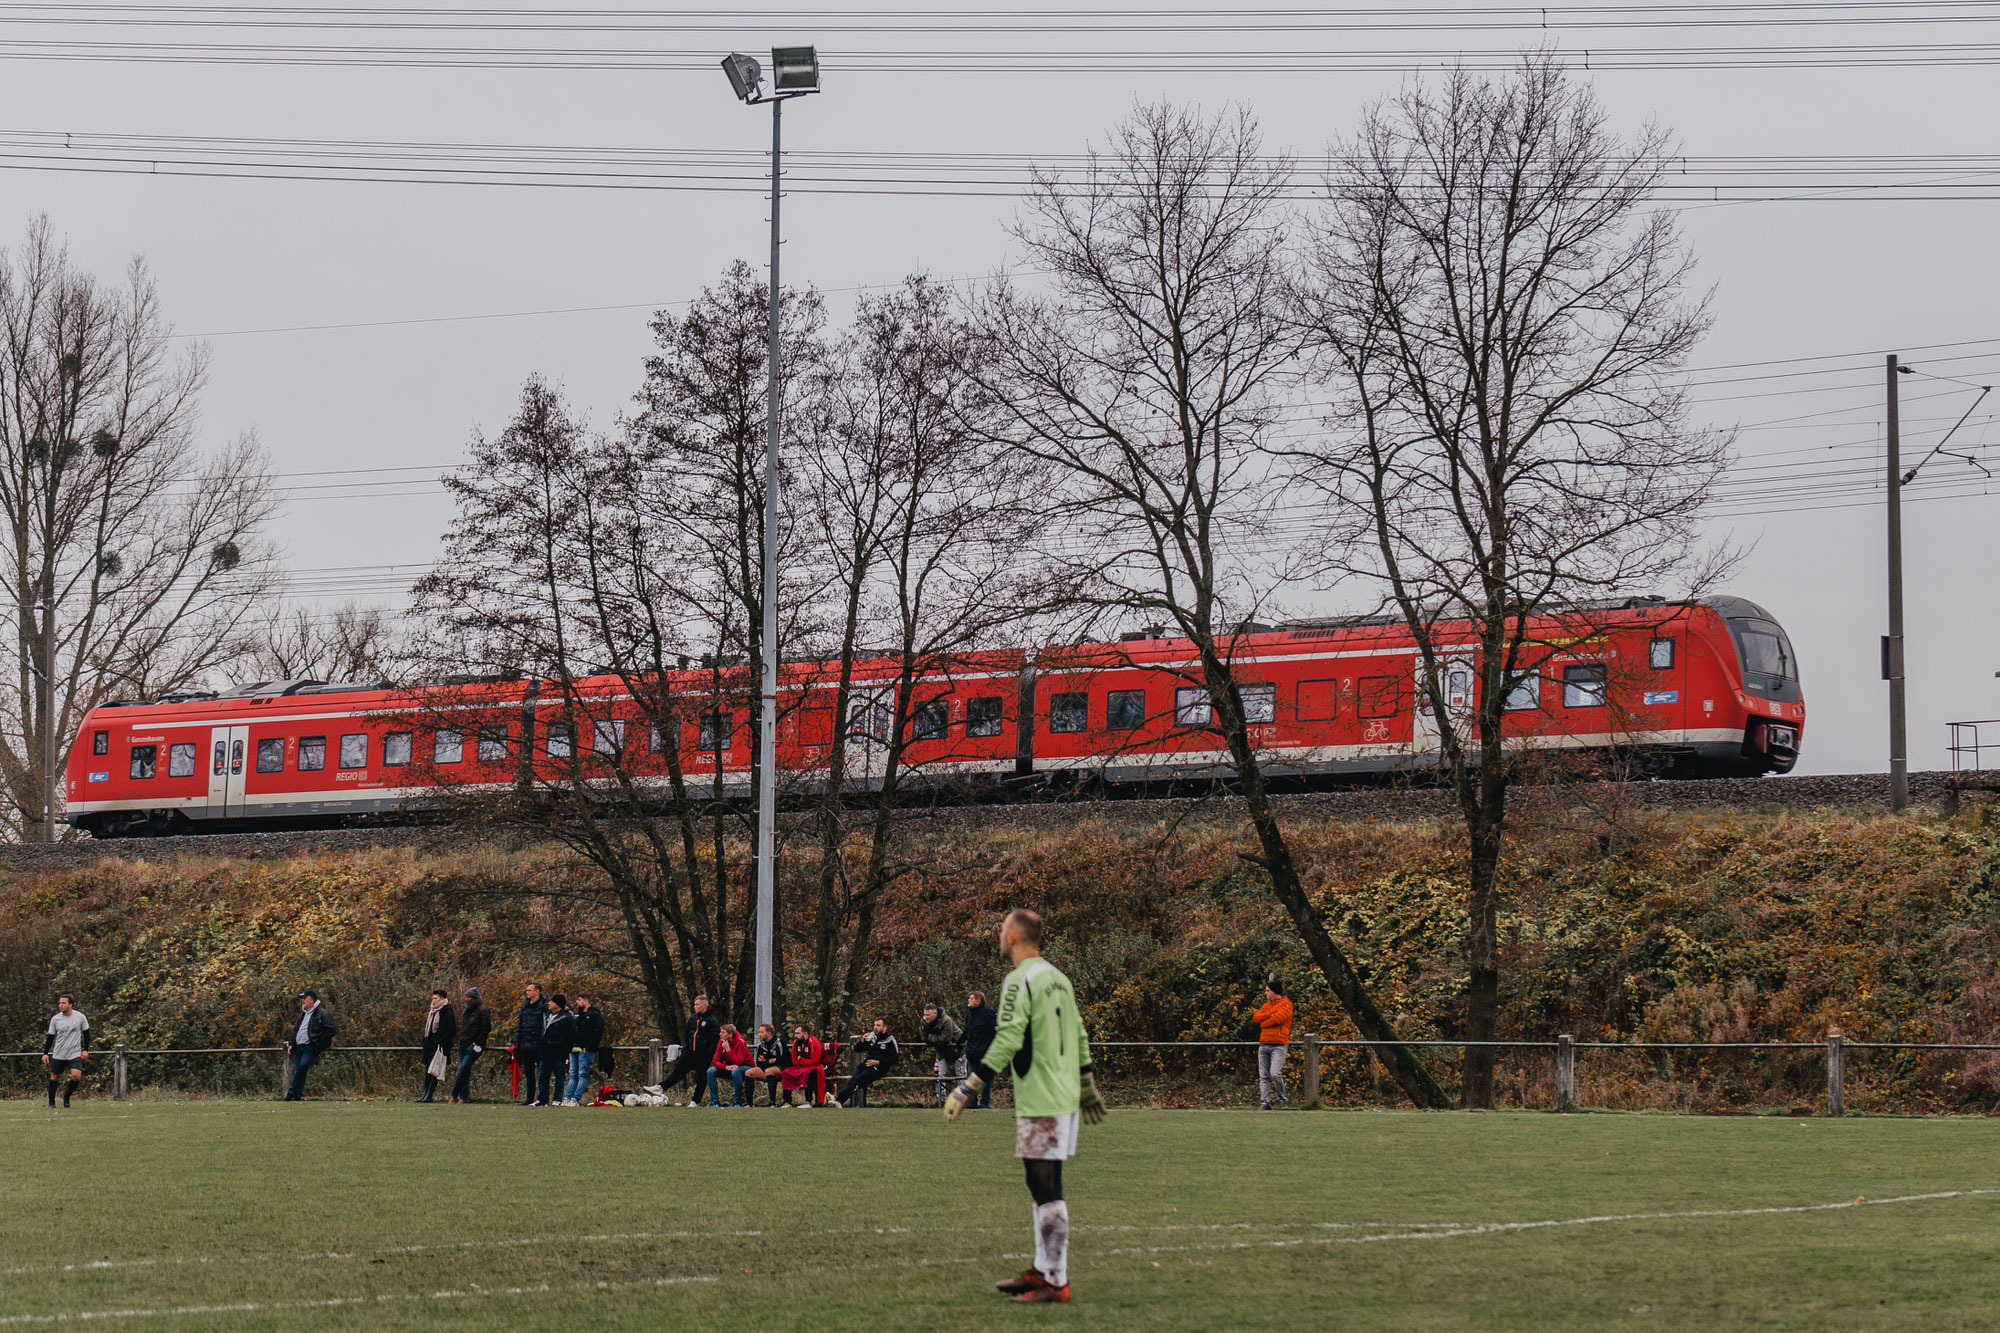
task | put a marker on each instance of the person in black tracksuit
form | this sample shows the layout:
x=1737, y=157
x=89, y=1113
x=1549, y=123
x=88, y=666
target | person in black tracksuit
x=980, y=1023
x=875, y=1056
x=528, y=1027
x=473, y=1031
x=698, y=1043
x=558, y=1035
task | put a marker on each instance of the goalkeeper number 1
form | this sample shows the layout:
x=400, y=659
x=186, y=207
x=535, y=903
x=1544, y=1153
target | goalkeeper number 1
x=1040, y=1034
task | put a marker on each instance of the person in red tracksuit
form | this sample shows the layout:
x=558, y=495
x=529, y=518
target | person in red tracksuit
x=805, y=1070
x=732, y=1057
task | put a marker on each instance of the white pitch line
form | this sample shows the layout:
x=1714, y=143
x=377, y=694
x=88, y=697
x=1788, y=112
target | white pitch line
x=1500, y=1228
x=387, y=1298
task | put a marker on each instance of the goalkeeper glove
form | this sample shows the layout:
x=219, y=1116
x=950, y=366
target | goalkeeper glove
x=960, y=1095
x=1088, y=1101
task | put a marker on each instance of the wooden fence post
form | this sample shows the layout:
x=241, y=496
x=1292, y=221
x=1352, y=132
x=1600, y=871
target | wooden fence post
x=1836, y=1073
x=118, y=1072
x=656, y=1068
x=1311, y=1076
x=1565, y=1071
x=284, y=1070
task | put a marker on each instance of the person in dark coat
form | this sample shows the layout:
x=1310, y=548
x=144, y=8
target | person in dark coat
x=527, y=1046
x=947, y=1047
x=558, y=1035
x=440, y=1030
x=473, y=1031
x=698, y=1043
x=583, y=1051
x=307, y=1040
x=980, y=1022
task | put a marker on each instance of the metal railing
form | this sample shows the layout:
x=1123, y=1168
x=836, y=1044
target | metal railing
x=1565, y=1050
x=1966, y=745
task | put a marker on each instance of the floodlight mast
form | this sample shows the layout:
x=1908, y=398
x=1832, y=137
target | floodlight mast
x=794, y=73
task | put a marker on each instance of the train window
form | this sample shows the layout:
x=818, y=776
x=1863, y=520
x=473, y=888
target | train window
x=492, y=745
x=1069, y=712
x=653, y=739
x=312, y=754
x=608, y=736
x=1583, y=685
x=354, y=750
x=180, y=759
x=1191, y=707
x=1764, y=648
x=271, y=755
x=1260, y=703
x=396, y=749
x=1660, y=654
x=1319, y=700
x=100, y=742
x=714, y=732
x=448, y=747
x=144, y=757
x=1125, y=710
x=1380, y=696
x=930, y=721
x=560, y=740
x=221, y=757
x=870, y=717
x=1526, y=694
x=982, y=716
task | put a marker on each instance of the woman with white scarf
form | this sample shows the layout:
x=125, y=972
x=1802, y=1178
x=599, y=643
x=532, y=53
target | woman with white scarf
x=440, y=1028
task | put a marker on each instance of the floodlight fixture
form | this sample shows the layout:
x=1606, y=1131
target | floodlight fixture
x=794, y=70
x=746, y=76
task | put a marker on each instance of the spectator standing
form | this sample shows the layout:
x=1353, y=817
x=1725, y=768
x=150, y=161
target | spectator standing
x=65, y=1049
x=980, y=1020
x=310, y=1039
x=732, y=1057
x=1274, y=1038
x=807, y=1068
x=473, y=1032
x=767, y=1063
x=527, y=1048
x=947, y=1046
x=440, y=1031
x=698, y=1044
x=558, y=1035
x=583, y=1050
x=877, y=1055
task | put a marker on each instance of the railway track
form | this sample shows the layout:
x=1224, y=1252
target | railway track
x=1852, y=790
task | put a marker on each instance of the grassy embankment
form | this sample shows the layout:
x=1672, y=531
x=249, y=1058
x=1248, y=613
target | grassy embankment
x=1702, y=926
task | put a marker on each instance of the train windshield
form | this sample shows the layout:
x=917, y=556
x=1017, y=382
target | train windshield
x=1765, y=649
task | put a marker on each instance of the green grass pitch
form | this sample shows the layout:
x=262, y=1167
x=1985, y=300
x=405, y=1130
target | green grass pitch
x=333, y=1215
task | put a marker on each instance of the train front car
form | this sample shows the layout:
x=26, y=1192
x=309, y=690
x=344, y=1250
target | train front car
x=1753, y=706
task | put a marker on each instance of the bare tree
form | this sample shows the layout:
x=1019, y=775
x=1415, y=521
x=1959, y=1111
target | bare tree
x=925, y=526
x=1503, y=329
x=145, y=555
x=621, y=577
x=346, y=642
x=1148, y=379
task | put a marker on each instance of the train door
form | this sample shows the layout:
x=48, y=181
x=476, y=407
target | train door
x=1455, y=677
x=871, y=715
x=227, y=765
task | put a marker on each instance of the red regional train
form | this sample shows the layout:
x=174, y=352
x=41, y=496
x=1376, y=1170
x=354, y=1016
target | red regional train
x=1700, y=689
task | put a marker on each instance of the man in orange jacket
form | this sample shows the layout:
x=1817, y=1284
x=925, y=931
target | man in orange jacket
x=1274, y=1038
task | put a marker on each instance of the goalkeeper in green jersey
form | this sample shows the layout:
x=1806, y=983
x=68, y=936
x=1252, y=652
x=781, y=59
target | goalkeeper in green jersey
x=1042, y=1034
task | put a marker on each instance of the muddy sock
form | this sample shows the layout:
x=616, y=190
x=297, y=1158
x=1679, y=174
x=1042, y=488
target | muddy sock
x=1052, y=1242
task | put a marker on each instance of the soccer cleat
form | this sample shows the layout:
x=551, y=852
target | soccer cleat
x=1041, y=1294
x=1028, y=1281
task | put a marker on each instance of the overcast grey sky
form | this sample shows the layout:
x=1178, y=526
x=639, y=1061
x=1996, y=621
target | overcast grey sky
x=1845, y=274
